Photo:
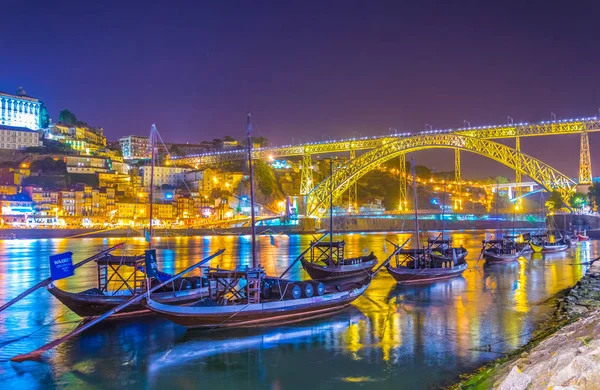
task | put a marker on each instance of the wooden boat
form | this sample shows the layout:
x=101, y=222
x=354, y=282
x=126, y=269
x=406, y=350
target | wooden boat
x=417, y=266
x=543, y=243
x=228, y=308
x=247, y=297
x=126, y=273
x=327, y=262
x=442, y=250
x=549, y=247
x=500, y=251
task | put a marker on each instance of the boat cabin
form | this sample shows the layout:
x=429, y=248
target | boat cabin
x=236, y=286
x=332, y=253
x=439, y=244
x=123, y=273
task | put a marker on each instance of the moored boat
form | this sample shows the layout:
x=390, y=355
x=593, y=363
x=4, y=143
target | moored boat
x=500, y=251
x=228, y=308
x=548, y=243
x=129, y=280
x=417, y=266
x=327, y=263
x=247, y=297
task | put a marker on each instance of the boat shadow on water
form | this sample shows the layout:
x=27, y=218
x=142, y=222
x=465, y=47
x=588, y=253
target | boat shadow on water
x=199, y=344
x=426, y=295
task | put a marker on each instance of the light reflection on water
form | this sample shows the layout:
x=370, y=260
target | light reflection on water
x=393, y=337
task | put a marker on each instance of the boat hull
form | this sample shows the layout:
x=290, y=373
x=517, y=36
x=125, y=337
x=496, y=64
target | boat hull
x=260, y=314
x=93, y=305
x=332, y=273
x=405, y=275
x=548, y=248
x=494, y=258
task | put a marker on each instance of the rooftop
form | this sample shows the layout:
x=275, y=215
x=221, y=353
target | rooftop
x=17, y=128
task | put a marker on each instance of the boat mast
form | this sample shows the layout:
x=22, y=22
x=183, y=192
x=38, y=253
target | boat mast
x=331, y=208
x=443, y=205
x=415, y=205
x=251, y=171
x=151, y=198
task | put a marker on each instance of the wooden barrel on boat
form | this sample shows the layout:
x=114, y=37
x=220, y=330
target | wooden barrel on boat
x=318, y=287
x=287, y=289
x=307, y=289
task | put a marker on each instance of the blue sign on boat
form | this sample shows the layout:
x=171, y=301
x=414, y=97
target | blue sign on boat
x=151, y=266
x=61, y=266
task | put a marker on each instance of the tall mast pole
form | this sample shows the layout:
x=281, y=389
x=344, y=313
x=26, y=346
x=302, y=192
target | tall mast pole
x=151, y=198
x=413, y=171
x=251, y=171
x=443, y=205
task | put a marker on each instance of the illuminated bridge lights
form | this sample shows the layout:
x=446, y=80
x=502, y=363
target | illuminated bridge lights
x=343, y=178
x=544, y=128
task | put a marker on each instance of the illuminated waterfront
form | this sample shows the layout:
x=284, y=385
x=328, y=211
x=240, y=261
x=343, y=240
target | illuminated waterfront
x=393, y=337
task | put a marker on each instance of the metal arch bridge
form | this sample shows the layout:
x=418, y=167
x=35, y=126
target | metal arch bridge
x=319, y=198
x=580, y=126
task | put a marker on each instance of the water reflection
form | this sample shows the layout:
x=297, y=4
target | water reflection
x=395, y=336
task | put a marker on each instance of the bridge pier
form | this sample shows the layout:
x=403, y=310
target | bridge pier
x=457, y=179
x=585, y=160
x=306, y=180
x=402, y=182
x=353, y=189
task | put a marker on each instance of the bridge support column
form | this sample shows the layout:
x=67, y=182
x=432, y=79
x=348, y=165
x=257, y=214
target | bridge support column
x=306, y=181
x=402, y=180
x=518, y=178
x=457, y=179
x=353, y=189
x=585, y=160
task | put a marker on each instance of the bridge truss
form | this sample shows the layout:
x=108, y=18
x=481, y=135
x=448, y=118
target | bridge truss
x=346, y=176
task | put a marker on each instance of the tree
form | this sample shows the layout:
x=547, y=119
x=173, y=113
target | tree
x=555, y=202
x=44, y=116
x=423, y=172
x=578, y=200
x=67, y=116
x=594, y=194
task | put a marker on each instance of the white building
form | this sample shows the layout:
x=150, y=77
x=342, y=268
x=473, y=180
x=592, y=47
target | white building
x=163, y=175
x=18, y=138
x=19, y=110
x=135, y=147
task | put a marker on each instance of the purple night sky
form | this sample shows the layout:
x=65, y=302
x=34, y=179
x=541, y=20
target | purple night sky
x=310, y=70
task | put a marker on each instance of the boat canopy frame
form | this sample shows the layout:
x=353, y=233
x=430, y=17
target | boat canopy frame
x=115, y=266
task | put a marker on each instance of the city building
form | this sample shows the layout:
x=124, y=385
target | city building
x=169, y=175
x=18, y=138
x=18, y=204
x=80, y=201
x=207, y=180
x=134, y=147
x=45, y=201
x=20, y=110
x=84, y=139
x=86, y=165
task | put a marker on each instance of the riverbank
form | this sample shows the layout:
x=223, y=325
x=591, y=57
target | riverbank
x=565, y=351
x=355, y=225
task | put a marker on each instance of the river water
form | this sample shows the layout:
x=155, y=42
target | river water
x=415, y=337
